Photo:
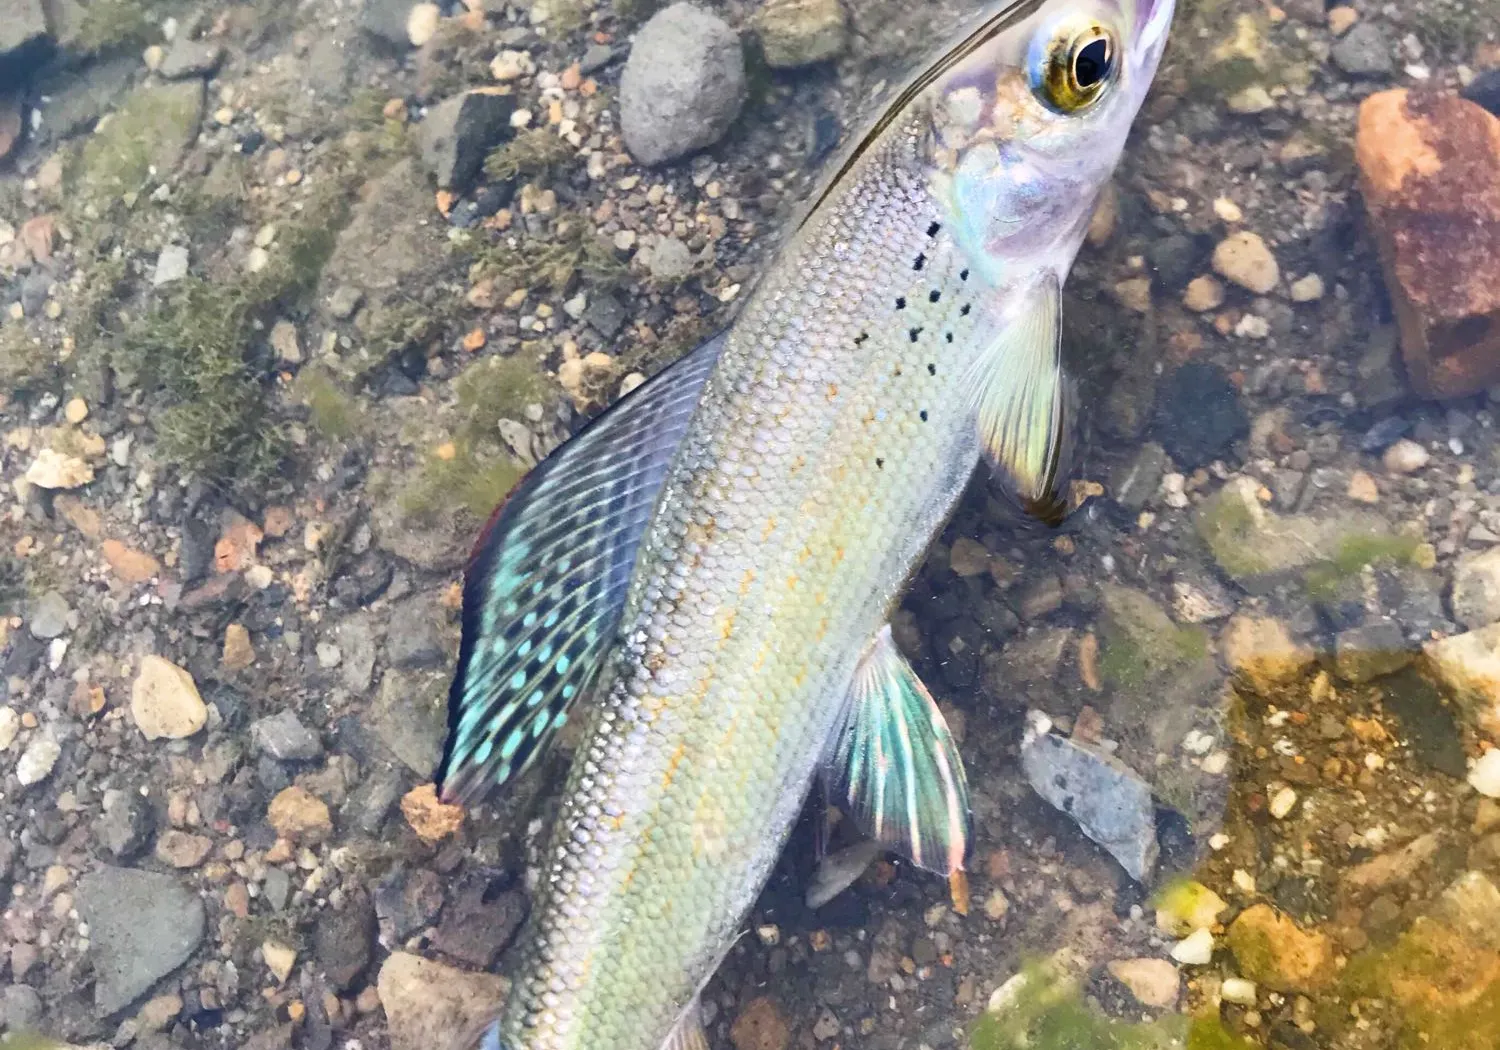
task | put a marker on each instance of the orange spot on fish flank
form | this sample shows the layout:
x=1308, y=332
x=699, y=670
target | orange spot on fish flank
x=746, y=581
x=804, y=554
x=838, y=555
x=770, y=528
x=726, y=629
x=833, y=391
x=791, y=582
x=798, y=463
x=672, y=763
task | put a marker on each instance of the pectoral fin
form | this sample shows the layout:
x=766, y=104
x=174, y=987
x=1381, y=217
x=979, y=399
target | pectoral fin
x=1023, y=402
x=548, y=577
x=896, y=767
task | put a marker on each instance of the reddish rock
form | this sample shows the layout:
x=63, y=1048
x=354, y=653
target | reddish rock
x=1430, y=174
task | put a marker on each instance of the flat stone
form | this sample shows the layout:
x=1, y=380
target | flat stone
x=285, y=738
x=460, y=132
x=797, y=33
x=344, y=941
x=683, y=85
x=143, y=141
x=478, y=925
x=410, y=718
x=164, y=701
x=1476, y=589
x=171, y=265
x=1429, y=168
x=1262, y=652
x=1245, y=259
x=1471, y=905
x=191, y=58
x=1274, y=952
x=1153, y=982
x=1363, y=654
x=1469, y=665
x=1363, y=51
x=37, y=761
x=181, y=849
x=23, y=31
x=414, y=641
x=300, y=816
x=47, y=617
x=142, y=926
x=55, y=470
x=1110, y=803
x=421, y=997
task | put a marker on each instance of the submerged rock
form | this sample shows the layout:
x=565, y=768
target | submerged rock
x=422, y=997
x=797, y=33
x=1430, y=175
x=460, y=132
x=1476, y=589
x=1110, y=803
x=1199, y=416
x=1273, y=951
x=1469, y=665
x=683, y=85
x=142, y=926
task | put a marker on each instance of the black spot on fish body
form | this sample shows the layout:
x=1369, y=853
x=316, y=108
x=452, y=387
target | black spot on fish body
x=923, y=414
x=934, y=295
x=916, y=333
x=963, y=275
x=860, y=339
x=949, y=337
x=901, y=303
x=965, y=310
x=921, y=262
x=931, y=369
x=880, y=464
x=935, y=229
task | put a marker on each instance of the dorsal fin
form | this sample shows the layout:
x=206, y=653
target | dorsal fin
x=548, y=578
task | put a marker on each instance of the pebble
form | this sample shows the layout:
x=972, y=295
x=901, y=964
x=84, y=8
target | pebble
x=429, y=817
x=797, y=33
x=1282, y=803
x=299, y=816
x=1203, y=294
x=76, y=410
x=1237, y=990
x=1484, y=776
x=37, y=761
x=512, y=65
x=10, y=727
x=1341, y=19
x=279, y=959
x=1197, y=949
x=171, y=265
x=1362, y=488
x=760, y=1026
x=683, y=85
x=1273, y=951
x=47, y=617
x=54, y=470
x=1363, y=52
x=238, y=652
x=968, y=557
x=1249, y=101
x=422, y=23
x=285, y=342
x=164, y=701
x=1262, y=651
x=1307, y=289
x=1153, y=982
x=142, y=926
x=1245, y=259
x=1405, y=457
x=181, y=849
x=1476, y=589
x=420, y=997
x=1188, y=906
x=285, y=738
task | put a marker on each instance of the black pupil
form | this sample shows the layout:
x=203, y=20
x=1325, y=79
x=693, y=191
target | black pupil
x=1092, y=64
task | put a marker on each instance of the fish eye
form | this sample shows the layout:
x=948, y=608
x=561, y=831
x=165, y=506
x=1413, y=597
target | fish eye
x=1074, y=66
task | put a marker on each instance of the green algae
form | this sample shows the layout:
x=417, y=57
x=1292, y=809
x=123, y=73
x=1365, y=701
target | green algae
x=1352, y=554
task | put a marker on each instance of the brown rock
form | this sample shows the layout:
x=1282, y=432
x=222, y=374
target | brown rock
x=1263, y=653
x=38, y=234
x=422, y=998
x=164, y=701
x=132, y=566
x=429, y=818
x=82, y=517
x=238, y=652
x=760, y=1026
x=1430, y=174
x=1274, y=951
x=300, y=816
x=237, y=547
x=182, y=850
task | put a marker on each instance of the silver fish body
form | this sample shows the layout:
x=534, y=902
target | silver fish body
x=838, y=423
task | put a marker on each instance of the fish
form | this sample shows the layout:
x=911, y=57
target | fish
x=703, y=576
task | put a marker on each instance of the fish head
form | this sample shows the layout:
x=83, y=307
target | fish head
x=1028, y=119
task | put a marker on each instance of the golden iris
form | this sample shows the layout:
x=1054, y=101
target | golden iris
x=1076, y=67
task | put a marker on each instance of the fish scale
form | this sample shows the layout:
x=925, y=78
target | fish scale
x=809, y=441
x=757, y=510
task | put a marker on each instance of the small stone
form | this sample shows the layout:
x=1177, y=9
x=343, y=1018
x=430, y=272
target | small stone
x=171, y=265
x=1484, y=776
x=1341, y=19
x=279, y=960
x=760, y=1026
x=459, y=133
x=430, y=818
x=47, y=617
x=422, y=23
x=968, y=557
x=238, y=652
x=1245, y=259
x=1363, y=51
x=1134, y=294
x=37, y=761
x=1250, y=100
x=285, y=738
x=299, y=816
x=131, y=566
x=164, y=701
x=1476, y=589
x=160, y=1012
x=192, y=58
x=142, y=926
x=285, y=342
x=511, y=65
x=76, y=410
x=1274, y=951
x=344, y=301
x=1196, y=949
x=181, y=849
x=421, y=997
x=1203, y=294
x=683, y=85
x=1153, y=982
x=1237, y=990
x=10, y=727
x=1469, y=665
x=797, y=33
x=1261, y=650
x=1282, y=803
x=1307, y=289
x=1405, y=457
x=1373, y=650
x=54, y=470
x=1362, y=488
x=1188, y=906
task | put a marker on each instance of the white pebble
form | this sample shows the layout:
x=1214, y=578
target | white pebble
x=1406, y=457
x=1484, y=777
x=37, y=760
x=1237, y=990
x=1308, y=289
x=1283, y=802
x=1197, y=949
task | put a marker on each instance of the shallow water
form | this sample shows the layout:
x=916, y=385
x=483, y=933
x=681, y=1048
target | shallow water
x=262, y=384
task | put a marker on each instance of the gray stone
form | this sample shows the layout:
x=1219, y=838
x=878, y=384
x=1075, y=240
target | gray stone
x=343, y=302
x=79, y=97
x=48, y=616
x=344, y=941
x=171, y=265
x=413, y=640
x=1110, y=803
x=410, y=718
x=142, y=926
x=669, y=260
x=1372, y=651
x=191, y=58
x=356, y=639
x=20, y=1008
x=797, y=33
x=23, y=28
x=126, y=825
x=458, y=133
x=386, y=21
x=371, y=801
x=1136, y=481
x=277, y=888
x=1200, y=599
x=1363, y=51
x=1476, y=589
x=595, y=58
x=285, y=738
x=683, y=85
x=387, y=246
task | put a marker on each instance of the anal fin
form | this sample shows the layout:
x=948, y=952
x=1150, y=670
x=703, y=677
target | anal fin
x=895, y=764
x=1024, y=404
x=688, y=1033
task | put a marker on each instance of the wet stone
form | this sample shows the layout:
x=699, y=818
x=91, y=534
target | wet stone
x=459, y=133
x=1364, y=51
x=344, y=942
x=48, y=616
x=21, y=1007
x=796, y=33
x=1135, y=482
x=1273, y=951
x=413, y=640
x=1110, y=803
x=410, y=717
x=1371, y=651
x=1428, y=725
x=1476, y=589
x=126, y=825
x=1198, y=415
x=285, y=738
x=421, y=997
x=142, y=926
x=191, y=58
x=408, y=901
x=760, y=1026
x=479, y=922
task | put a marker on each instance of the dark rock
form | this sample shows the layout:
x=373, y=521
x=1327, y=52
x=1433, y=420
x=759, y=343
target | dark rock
x=413, y=641
x=1198, y=415
x=344, y=942
x=604, y=314
x=410, y=717
x=142, y=926
x=1137, y=480
x=405, y=902
x=77, y=98
x=386, y=21
x=683, y=85
x=1371, y=651
x=1384, y=434
x=479, y=923
x=126, y=825
x=371, y=801
x=1178, y=258
x=24, y=41
x=285, y=738
x=26, y=654
x=1363, y=51
x=459, y=133
x=1484, y=90
x=191, y=58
